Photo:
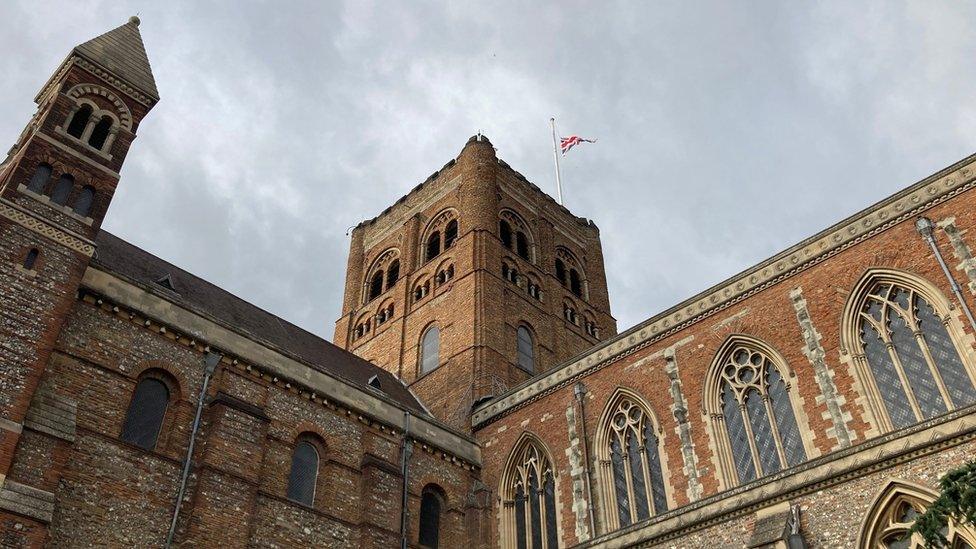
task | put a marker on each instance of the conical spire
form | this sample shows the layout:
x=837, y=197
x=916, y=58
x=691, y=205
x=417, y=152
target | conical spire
x=122, y=53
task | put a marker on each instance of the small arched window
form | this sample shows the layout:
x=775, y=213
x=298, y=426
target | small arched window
x=392, y=274
x=144, y=418
x=433, y=245
x=450, y=233
x=575, y=284
x=304, y=473
x=376, y=285
x=40, y=178
x=63, y=189
x=430, y=350
x=505, y=233
x=83, y=203
x=522, y=245
x=100, y=133
x=526, y=354
x=561, y=271
x=430, y=517
x=80, y=121
x=31, y=259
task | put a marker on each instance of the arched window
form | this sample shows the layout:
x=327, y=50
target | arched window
x=522, y=245
x=392, y=274
x=430, y=517
x=759, y=433
x=430, y=350
x=40, y=178
x=100, y=133
x=376, y=285
x=80, y=121
x=529, y=498
x=631, y=474
x=526, y=358
x=63, y=189
x=450, y=233
x=304, y=472
x=575, y=284
x=83, y=203
x=892, y=514
x=433, y=245
x=913, y=361
x=505, y=233
x=144, y=418
x=31, y=259
x=561, y=271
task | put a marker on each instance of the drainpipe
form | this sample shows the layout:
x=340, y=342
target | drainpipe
x=926, y=228
x=405, y=451
x=211, y=364
x=580, y=391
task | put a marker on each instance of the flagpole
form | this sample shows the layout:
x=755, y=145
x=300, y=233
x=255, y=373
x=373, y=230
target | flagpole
x=555, y=157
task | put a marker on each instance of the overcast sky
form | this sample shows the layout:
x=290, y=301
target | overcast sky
x=727, y=131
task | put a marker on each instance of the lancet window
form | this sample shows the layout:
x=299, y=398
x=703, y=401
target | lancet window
x=529, y=499
x=913, y=360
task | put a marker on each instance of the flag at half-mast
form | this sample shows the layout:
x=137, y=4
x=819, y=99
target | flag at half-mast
x=566, y=143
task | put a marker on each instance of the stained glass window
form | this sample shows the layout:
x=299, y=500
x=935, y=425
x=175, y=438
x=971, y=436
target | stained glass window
x=635, y=464
x=532, y=506
x=304, y=473
x=759, y=417
x=915, y=365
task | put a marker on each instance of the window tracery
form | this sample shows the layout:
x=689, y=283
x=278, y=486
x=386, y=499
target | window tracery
x=382, y=275
x=529, y=498
x=569, y=272
x=440, y=235
x=893, y=513
x=515, y=234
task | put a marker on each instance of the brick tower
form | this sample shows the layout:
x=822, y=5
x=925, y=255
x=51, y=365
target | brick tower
x=471, y=283
x=55, y=187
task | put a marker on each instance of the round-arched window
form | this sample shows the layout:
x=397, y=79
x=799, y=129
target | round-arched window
x=526, y=355
x=430, y=350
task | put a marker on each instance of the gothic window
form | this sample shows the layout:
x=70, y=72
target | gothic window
x=561, y=271
x=575, y=284
x=62, y=190
x=304, y=472
x=631, y=474
x=40, y=178
x=433, y=245
x=893, y=513
x=392, y=274
x=376, y=285
x=916, y=367
x=144, y=418
x=83, y=203
x=522, y=245
x=430, y=350
x=450, y=233
x=505, y=233
x=31, y=259
x=79, y=121
x=759, y=420
x=100, y=133
x=529, y=499
x=430, y=516
x=526, y=358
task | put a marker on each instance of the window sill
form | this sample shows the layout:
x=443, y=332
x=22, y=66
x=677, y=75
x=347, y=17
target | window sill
x=60, y=131
x=44, y=199
x=25, y=271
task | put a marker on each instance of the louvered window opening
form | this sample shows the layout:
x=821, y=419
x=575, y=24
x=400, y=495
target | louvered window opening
x=638, y=481
x=759, y=417
x=304, y=473
x=916, y=367
x=144, y=419
x=534, y=502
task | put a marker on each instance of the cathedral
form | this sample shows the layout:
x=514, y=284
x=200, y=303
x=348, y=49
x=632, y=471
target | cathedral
x=477, y=393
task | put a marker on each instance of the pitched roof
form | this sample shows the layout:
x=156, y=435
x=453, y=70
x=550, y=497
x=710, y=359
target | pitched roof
x=122, y=52
x=193, y=293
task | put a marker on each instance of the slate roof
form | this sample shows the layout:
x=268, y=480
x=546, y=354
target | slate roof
x=122, y=52
x=193, y=293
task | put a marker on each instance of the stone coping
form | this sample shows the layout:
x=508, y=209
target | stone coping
x=829, y=470
x=892, y=210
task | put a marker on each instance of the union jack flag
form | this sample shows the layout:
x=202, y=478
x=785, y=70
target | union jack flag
x=566, y=143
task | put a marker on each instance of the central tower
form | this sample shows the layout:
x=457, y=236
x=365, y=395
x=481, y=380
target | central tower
x=471, y=283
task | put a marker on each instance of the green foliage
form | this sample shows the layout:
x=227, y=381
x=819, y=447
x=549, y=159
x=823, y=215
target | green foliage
x=956, y=502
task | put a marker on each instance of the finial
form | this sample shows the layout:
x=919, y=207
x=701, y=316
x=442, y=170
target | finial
x=134, y=20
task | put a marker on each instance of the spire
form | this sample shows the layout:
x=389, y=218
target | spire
x=121, y=52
